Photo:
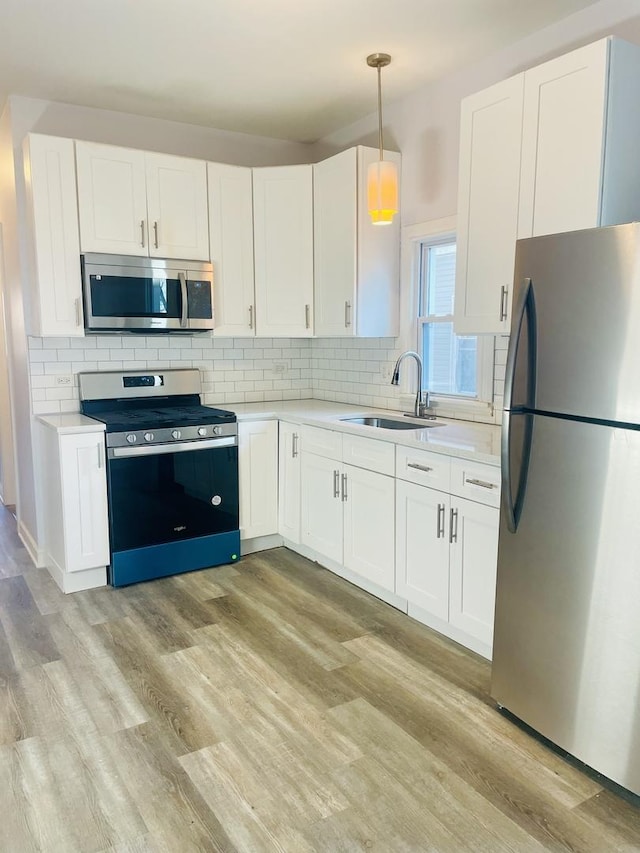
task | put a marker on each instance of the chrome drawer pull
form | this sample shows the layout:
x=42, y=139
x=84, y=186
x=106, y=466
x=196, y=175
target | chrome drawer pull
x=483, y=483
x=294, y=445
x=418, y=466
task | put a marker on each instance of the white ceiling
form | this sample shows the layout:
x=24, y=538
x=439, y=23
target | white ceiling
x=293, y=69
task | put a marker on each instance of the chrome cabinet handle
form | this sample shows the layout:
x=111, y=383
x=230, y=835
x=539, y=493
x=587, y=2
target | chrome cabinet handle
x=294, y=445
x=101, y=455
x=185, y=299
x=483, y=483
x=142, y=240
x=78, y=307
x=503, y=302
x=453, y=526
x=344, y=487
x=155, y=234
x=347, y=314
x=307, y=322
x=440, y=522
x=418, y=466
x=336, y=484
x=251, y=316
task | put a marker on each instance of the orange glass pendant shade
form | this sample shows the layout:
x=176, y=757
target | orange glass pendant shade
x=382, y=191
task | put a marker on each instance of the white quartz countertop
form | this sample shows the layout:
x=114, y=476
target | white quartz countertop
x=466, y=439
x=71, y=422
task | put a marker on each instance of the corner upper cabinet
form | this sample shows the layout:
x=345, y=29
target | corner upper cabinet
x=141, y=203
x=558, y=152
x=55, y=306
x=231, y=238
x=283, y=250
x=488, y=194
x=356, y=263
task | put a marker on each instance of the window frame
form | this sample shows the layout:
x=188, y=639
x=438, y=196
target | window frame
x=480, y=407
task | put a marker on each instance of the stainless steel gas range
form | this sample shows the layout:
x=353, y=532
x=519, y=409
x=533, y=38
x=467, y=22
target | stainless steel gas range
x=172, y=473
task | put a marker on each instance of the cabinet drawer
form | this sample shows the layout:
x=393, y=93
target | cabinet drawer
x=369, y=453
x=322, y=442
x=475, y=481
x=423, y=467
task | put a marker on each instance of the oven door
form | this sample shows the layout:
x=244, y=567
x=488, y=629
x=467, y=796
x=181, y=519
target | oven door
x=147, y=297
x=172, y=508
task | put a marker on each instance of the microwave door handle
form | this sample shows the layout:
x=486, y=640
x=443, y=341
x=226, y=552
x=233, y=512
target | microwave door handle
x=185, y=300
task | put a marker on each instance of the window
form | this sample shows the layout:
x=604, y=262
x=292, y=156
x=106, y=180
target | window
x=458, y=367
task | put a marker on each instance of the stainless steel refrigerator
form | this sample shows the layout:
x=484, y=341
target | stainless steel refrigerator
x=566, y=656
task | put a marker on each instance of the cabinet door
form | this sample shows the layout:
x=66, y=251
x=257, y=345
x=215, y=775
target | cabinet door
x=369, y=525
x=488, y=191
x=283, y=244
x=84, y=501
x=50, y=177
x=422, y=547
x=289, y=482
x=335, y=217
x=321, y=506
x=231, y=237
x=177, y=203
x=473, y=560
x=258, y=470
x=565, y=105
x=112, y=200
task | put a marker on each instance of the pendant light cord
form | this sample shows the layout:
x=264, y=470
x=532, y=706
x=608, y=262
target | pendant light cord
x=380, y=111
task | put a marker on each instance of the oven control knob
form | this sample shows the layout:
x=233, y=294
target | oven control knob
x=148, y=436
x=202, y=430
x=176, y=433
x=131, y=438
x=217, y=430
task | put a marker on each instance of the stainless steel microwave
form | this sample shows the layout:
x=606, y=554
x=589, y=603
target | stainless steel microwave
x=132, y=294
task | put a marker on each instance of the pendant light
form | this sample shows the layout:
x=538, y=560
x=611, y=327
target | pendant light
x=382, y=176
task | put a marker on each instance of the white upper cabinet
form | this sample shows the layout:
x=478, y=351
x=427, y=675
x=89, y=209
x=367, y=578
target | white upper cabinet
x=356, y=263
x=488, y=185
x=562, y=146
x=140, y=203
x=283, y=250
x=177, y=207
x=55, y=307
x=231, y=238
x=112, y=199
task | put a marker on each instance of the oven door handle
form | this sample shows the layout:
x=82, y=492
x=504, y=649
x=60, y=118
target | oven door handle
x=185, y=300
x=178, y=447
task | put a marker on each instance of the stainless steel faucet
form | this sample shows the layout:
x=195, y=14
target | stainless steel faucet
x=421, y=406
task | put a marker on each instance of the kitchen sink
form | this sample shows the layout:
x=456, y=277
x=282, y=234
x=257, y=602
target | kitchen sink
x=389, y=423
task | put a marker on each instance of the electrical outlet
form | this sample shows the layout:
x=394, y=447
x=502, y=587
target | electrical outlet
x=64, y=379
x=385, y=372
x=279, y=368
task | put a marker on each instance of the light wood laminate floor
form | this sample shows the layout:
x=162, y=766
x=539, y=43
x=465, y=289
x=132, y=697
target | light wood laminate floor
x=269, y=706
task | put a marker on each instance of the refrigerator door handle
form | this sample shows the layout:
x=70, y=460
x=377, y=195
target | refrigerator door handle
x=524, y=308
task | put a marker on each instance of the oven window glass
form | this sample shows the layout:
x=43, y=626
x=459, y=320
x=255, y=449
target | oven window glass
x=122, y=296
x=172, y=496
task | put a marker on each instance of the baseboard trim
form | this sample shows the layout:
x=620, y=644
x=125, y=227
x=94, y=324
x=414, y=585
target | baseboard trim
x=260, y=543
x=357, y=580
x=450, y=631
x=76, y=581
x=36, y=553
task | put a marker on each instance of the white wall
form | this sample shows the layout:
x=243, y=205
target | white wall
x=7, y=466
x=425, y=127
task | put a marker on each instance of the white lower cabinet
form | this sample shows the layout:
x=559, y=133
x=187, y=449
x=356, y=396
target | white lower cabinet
x=422, y=547
x=348, y=513
x=289, y=482
x=74, y=505
x=447, y=547
x=472, y=568
x=321, y=505
x=258, y=473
